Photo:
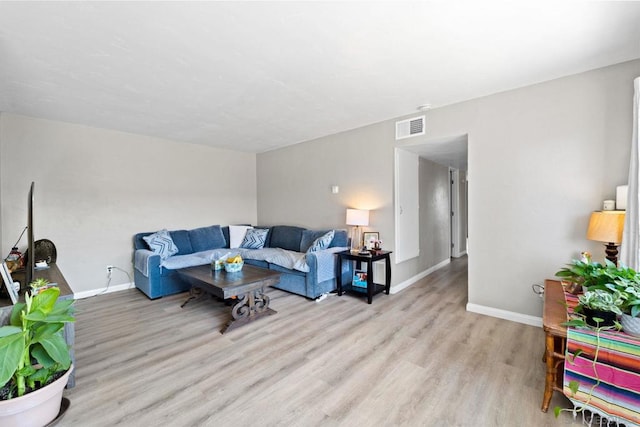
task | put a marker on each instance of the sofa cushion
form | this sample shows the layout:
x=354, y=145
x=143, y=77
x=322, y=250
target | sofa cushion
x=340, y=239
x=286, y=237
x=161, y=243
x=206, y=238
x=139, y=242
x=321, y=242
x=236, y=234
x=181, y=240
x=225, y=233
x=254, y=238
x=308, y=237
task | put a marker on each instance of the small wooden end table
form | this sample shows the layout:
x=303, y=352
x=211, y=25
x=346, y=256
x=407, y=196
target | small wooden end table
x=248, y=284
x=553, y=317
x=372, y=288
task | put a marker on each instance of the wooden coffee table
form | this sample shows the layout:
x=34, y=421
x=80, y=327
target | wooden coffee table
x=247, y=285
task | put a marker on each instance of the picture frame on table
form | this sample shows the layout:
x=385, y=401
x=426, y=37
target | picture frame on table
x=369, y=237
x=8, y=282
x=359, y=279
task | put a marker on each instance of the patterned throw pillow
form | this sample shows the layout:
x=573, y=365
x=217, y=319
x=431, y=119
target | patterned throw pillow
x=321, y=242
x=161, y=243
x=254, y=238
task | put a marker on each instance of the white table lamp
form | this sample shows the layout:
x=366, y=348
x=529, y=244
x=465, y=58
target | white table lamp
x=357, y=218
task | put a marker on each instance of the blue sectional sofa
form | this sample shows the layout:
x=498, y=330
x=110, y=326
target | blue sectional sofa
x=313, y=275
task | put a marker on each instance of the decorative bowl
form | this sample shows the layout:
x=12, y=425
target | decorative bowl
x=233, y=267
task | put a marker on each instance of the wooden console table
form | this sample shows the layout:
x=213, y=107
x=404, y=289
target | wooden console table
x=608, y=386
x=53, y=275
x=554, y=315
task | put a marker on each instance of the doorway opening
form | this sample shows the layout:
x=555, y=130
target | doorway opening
x=441, y=169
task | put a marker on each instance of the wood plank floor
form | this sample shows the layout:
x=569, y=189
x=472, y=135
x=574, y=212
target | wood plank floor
x=416, y=358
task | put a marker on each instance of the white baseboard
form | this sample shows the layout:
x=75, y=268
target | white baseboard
x=504, y=314
x=403, y=285
x=460, y=254
x=94, y=292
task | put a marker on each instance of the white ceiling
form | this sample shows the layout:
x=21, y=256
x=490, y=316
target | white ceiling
x=257, y=76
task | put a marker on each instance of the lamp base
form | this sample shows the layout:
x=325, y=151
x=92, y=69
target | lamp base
x=612, y=252
x=356, y=238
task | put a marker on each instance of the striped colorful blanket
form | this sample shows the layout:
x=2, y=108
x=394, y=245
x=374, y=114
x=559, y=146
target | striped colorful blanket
x=610, y=387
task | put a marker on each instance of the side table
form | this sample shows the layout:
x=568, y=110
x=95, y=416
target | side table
x=372, y=288
x=553, y=316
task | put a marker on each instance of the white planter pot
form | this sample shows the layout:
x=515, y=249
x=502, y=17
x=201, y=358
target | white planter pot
x=630, y=325
x=35, y=409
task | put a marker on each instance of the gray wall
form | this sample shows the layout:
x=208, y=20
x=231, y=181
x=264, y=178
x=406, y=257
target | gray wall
x=435, y=224
x=294, y=183
x=294, y=186
x=541, y=158
x=96, y=188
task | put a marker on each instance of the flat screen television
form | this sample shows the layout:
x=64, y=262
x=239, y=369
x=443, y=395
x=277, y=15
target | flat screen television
x=31, y=259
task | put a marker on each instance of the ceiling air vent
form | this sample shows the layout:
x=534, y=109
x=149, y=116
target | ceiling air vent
x=410, y=127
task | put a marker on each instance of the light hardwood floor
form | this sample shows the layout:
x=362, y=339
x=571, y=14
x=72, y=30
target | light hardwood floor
x=416, y=358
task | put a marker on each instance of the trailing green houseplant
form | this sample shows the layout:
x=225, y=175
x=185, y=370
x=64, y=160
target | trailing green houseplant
x=623, y=283
x=601, y=300
x=600, y=304
x=32, y=346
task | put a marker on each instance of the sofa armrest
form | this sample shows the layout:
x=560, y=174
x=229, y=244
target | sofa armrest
x=145, y=261
x=322, y=264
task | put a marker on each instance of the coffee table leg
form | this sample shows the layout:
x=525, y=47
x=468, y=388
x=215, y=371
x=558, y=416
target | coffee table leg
x=250, y=306
x=194, y=293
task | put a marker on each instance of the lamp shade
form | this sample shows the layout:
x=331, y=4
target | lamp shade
x=606, y=226
x=357, y=217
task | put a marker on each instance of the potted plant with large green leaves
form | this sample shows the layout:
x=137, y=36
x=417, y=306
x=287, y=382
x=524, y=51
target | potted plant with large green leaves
x=587, y=275
x=36, y=362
